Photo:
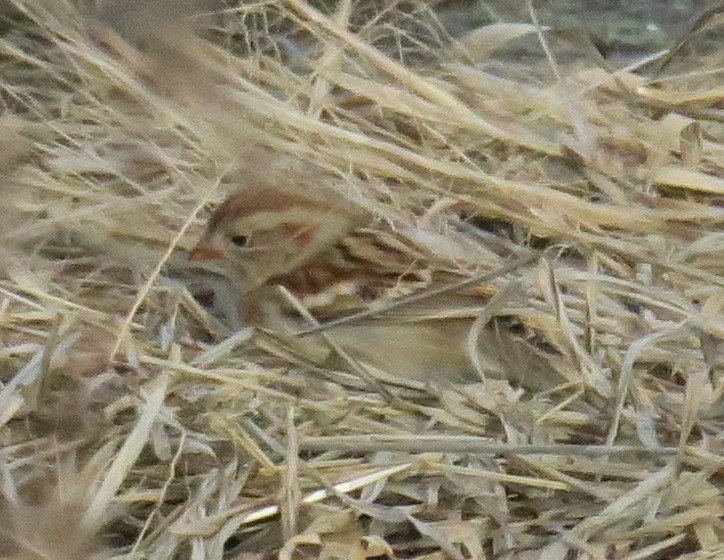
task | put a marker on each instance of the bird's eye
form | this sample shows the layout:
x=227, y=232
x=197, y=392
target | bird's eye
x=240, y=240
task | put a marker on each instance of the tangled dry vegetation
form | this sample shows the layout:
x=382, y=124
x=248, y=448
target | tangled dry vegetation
x=135, y=424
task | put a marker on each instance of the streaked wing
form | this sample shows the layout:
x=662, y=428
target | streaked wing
x=370, y=268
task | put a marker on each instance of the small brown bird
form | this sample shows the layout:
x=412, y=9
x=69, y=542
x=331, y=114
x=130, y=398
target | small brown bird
x=324, y=252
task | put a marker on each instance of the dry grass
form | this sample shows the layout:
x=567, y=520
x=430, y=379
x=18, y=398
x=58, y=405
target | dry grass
x=138, y=418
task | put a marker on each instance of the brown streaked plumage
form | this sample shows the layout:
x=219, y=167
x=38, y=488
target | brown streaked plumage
x=250, y=201
x=322, y=251
x=266, y=233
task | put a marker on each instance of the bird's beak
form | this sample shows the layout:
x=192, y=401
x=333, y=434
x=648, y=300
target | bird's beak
x=204, y=252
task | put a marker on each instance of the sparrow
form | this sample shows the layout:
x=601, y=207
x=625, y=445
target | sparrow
x=294, y=257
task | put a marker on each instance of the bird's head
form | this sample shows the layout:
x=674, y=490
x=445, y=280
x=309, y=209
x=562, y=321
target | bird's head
x=266, y=232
